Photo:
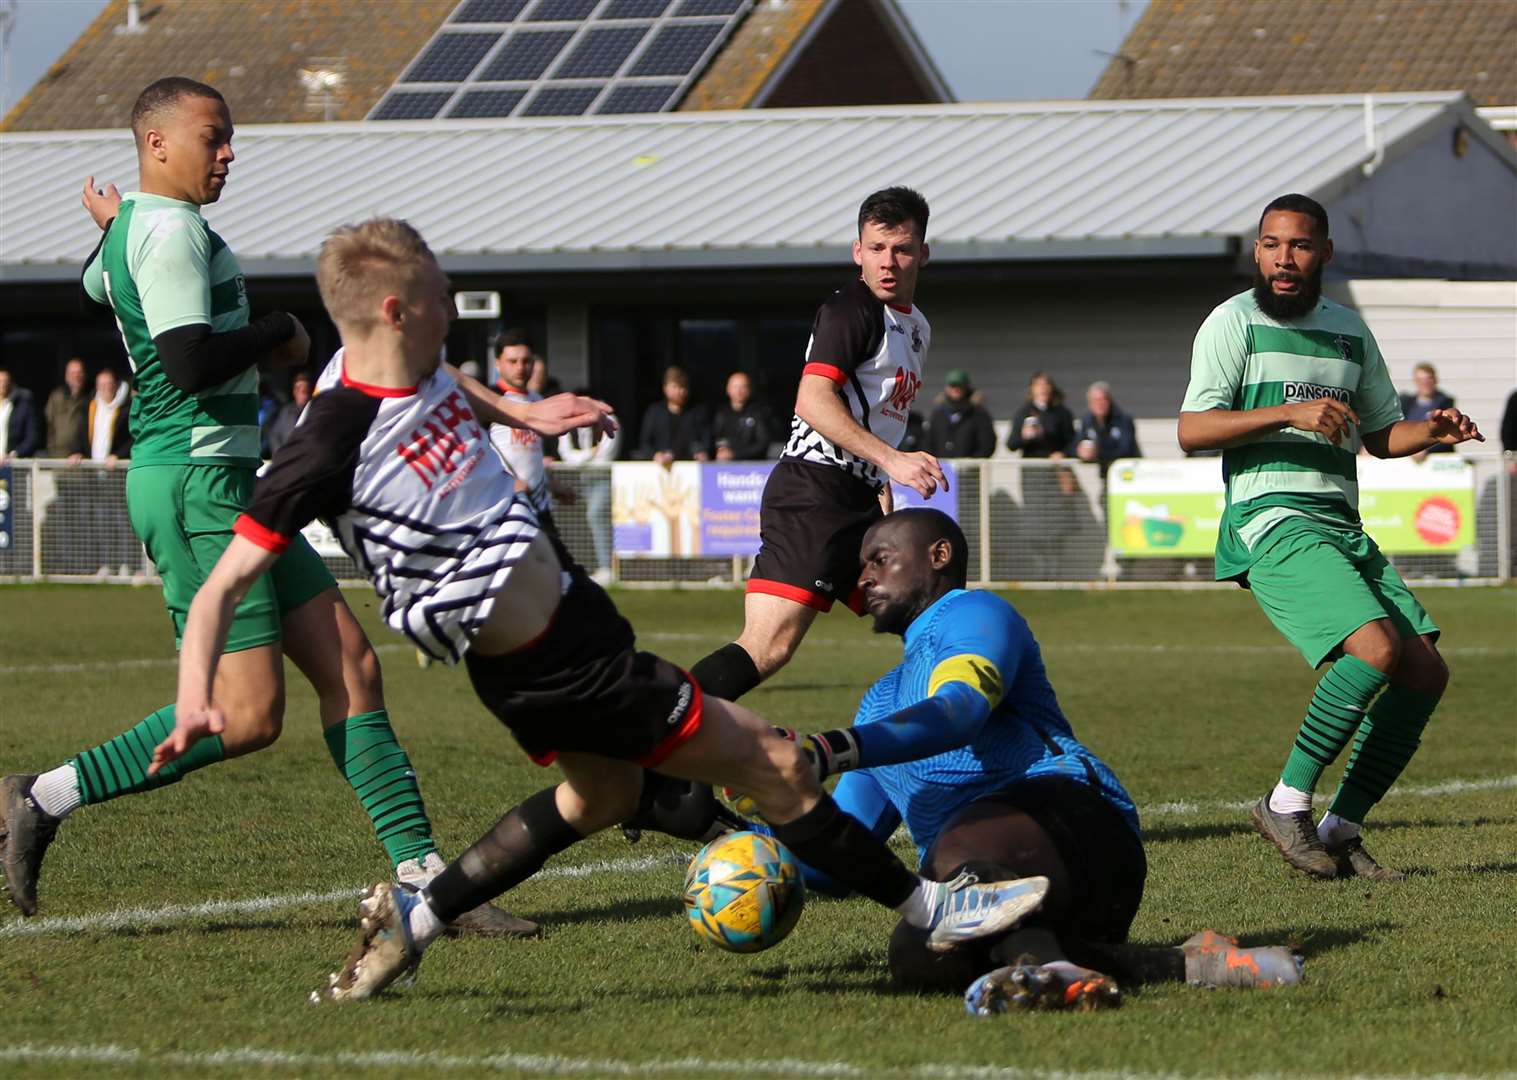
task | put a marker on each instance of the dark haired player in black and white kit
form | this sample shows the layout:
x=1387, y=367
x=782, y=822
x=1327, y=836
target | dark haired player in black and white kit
x=394, y=454
x=863, y=369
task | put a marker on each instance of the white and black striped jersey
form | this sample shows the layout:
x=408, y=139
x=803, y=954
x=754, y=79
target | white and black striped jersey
x=522, y=451
x=409, y=482
x=875, y=353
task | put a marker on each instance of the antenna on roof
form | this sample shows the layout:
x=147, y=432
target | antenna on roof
x=323, y=82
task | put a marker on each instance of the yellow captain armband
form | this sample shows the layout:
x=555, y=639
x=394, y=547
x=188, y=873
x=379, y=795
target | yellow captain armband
x=976, y=672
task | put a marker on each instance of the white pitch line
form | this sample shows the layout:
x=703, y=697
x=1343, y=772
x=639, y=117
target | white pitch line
x=123, y=918
x=558, y=1065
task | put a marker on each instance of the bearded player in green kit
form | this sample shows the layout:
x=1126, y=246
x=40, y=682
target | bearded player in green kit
x=1290, y=386
x=179, y=300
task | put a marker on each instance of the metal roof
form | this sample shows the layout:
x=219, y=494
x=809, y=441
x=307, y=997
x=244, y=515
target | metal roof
x=1007, y=181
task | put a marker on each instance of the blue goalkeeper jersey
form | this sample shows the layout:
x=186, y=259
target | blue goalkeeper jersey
x=978, y=639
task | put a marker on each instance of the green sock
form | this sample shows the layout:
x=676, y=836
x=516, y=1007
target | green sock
x=119, y=767
x=1387, y=740
x=366, y=753
x=1336, y=710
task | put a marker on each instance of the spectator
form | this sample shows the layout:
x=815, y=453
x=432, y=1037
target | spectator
x=1509, y=431
x=544, y=385
x=581, y=449
x=960, y=427
x=278, y=429
x=1042, y=427
x=472, y=369
x=1105, y=433
x=742, y=429
x=65, y=411
x=673, y=429
x=1427, y=399
x=106, y=436
x=19, y=434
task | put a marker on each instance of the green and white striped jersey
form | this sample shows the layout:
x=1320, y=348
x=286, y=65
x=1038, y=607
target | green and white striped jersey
x=1244, y=359
x=162, y=267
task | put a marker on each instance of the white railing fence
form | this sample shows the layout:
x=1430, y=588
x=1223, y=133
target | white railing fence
x=1027, y=522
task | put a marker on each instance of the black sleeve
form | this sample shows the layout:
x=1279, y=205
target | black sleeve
x=1014, y=436
x=312, y=474
x=848, y=330
x=194, y=359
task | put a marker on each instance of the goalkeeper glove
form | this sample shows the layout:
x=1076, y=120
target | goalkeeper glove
x=830, y=752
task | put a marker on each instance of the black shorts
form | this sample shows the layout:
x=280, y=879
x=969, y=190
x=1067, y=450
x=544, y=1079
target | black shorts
x=583, y=687
x=812, y=522
x=1104, y=856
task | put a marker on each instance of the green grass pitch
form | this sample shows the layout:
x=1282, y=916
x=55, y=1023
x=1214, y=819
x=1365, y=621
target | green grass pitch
x=129, y=970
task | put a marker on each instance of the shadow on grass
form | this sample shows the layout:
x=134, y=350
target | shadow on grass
x=622, y=911
x=1322, y=940
x=1162, y=834
x=1488, y=868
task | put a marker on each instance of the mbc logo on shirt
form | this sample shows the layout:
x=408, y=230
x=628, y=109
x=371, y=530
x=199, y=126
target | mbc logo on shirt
x=907, y=383
x=433, y=449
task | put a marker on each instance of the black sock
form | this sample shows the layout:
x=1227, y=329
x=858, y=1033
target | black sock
x=531, y=833
x=837, y=845
x=728, y=673
x=1129, y=964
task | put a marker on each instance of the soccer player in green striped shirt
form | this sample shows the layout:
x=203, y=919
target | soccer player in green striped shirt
x=180, y=303
x=1289, y=386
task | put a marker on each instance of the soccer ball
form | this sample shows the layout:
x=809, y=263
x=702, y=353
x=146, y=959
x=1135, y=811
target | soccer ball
x=744, y=892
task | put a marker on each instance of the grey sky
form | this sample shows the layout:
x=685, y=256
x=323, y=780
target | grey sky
x=986, y=49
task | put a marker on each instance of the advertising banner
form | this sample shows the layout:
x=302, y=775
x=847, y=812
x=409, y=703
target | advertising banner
x=1174, y=507
x=7, y=518
x=708, y=509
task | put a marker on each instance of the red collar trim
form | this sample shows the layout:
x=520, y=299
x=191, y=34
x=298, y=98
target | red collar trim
x=506, y=388
x=377, y=391
x=897, y=307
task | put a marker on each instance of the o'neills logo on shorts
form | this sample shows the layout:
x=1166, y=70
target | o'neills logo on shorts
x=682, y=703
x=1310, y=391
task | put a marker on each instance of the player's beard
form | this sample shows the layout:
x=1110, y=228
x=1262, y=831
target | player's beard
x=1289, y=307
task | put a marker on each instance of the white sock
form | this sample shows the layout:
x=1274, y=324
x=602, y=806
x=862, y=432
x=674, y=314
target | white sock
x=920, y=909
x=57, y=792
x=1289, y=800
x=1333, y=829
x=424, y=924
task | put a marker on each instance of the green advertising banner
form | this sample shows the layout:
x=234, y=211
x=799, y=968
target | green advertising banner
x=1174, y=507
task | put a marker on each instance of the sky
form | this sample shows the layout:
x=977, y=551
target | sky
x=987, y=50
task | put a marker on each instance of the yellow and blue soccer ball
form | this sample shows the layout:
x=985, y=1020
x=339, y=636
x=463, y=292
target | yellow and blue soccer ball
x=744, y=892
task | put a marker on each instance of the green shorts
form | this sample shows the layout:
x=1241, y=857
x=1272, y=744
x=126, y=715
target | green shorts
x=183, y=514
x=1318, y=584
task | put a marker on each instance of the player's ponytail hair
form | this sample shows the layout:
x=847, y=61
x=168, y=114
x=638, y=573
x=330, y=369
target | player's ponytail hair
x=361, y=264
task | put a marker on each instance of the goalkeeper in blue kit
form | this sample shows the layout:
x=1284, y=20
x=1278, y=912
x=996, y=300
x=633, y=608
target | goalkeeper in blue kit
x=965, y=743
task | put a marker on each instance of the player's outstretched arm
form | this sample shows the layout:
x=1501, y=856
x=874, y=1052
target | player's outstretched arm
x=1446, y=427
x=817, y=403
x=556, y=415
x=1220, y=429
x=205, y=632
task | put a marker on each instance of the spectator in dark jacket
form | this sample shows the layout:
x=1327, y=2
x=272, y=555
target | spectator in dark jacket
x=960, y=427
x=673, y=429
x=1105, y=433
x=282, y=423
x=65, y=410
x=742, y=429
x=1042, y=427
x=20, y=430
x=1427, y=399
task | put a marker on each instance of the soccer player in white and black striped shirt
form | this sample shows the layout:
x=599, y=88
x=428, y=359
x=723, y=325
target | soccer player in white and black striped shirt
x=864, y=367
x=393, y=453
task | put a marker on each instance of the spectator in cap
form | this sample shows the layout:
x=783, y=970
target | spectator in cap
x=1105, y=433
x=960, y=427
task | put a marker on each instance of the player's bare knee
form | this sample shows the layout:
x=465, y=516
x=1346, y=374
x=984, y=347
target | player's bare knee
x=253, y=725
x=1423, y=669
x=1377, y=644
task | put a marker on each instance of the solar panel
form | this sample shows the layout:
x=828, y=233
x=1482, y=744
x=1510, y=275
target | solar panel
x=402, y=106
x=638, y=98
x=561, y=10
x=600, y=53
x=526, y=56
x=708, y=7
x=676, y=49
x=488, y=103
x=488, y=11
x=633, y=9
x=561, y=101
x=451, y=57
x=561, y=57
